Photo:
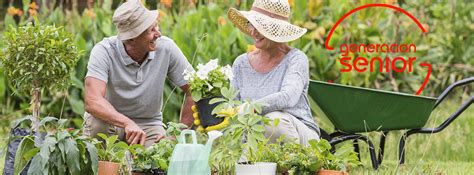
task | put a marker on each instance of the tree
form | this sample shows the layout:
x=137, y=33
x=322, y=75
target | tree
x=38, y=57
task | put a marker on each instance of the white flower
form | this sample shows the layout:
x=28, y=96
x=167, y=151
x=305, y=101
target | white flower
x=212, y=64
x=227, y=70
x=203, y=70
x=209, y=86
x=189, y=73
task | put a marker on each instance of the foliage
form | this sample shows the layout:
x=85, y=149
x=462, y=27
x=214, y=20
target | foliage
x=111, y=149
x=157, y=156
x=297, y=159
x=243, y=134
x=343, y=158
x=39, y=56
x=208, y=80
x=60, y=151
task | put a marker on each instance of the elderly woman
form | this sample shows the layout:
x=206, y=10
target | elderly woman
x=275, y=74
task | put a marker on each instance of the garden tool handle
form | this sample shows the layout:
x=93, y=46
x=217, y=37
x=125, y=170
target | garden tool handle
x=182, y=136
x=451, y=87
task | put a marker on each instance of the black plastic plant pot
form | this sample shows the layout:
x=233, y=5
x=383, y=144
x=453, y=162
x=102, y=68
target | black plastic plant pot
x=205, y=113
x=149, y=172
x=158, y=172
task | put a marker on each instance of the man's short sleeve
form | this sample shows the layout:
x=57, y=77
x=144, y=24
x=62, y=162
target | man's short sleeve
x=178, y=63
x=98, y=66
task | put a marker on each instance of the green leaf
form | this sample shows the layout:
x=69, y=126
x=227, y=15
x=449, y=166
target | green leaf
x=242, y=119
x=217, y=84
x=258, y=128
x=72, y=159
x=22, y=155
x=196, y=95
x=276, y=122
x=226, y=93
x=77, y=105
x=254, y=120
x=93, y=156
x=47, y=120
x=216, y=100
x=36, y=167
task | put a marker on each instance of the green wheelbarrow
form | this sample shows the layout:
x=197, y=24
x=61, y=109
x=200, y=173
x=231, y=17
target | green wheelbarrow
x=353, y=110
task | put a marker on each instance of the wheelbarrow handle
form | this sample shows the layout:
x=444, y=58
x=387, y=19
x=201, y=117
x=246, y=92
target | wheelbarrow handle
x=451, y=87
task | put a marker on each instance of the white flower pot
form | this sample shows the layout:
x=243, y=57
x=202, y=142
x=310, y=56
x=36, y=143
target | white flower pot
x=259, y=168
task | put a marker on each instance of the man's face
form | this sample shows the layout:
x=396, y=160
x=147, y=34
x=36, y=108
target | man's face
x=147, y=39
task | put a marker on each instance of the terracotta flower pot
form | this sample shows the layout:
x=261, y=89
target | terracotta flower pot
x=205, y=113
x=108, y=168
x=332, y=172
x=138, y=173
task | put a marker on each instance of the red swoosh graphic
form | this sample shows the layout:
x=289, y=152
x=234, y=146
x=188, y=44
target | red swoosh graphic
x=367, y=6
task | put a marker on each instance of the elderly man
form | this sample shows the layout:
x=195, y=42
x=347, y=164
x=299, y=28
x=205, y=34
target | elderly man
x=125, y=78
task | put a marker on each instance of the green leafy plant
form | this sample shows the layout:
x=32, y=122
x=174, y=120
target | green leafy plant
x=39, y=57
x=208, y=80
x=62, y=151
x=343, y=158
x=154, y=157
x=157, y=156
x=243, y=135
x=298, y=159
x=111, y=149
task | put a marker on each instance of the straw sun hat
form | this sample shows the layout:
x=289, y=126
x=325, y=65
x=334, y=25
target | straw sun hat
x=270, y=18
x=132, y=18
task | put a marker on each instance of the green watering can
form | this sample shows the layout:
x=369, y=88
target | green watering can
x=192, y=158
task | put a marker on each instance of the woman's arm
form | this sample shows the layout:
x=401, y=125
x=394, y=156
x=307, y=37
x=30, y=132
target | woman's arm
x=294, y=82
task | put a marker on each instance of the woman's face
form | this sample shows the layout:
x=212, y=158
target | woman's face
x=259, y=40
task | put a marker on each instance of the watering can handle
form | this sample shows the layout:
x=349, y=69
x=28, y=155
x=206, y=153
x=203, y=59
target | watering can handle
x=182, y=136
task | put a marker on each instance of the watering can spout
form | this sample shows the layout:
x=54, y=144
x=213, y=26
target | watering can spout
x=213, y=135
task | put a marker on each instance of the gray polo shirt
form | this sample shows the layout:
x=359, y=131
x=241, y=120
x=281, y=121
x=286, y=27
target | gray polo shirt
x=137, y=90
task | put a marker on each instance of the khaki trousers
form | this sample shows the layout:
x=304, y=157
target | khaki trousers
x=289, y=126
x=92, y=126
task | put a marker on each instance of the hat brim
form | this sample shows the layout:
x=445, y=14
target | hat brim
x=274, y=29
x=150, y=18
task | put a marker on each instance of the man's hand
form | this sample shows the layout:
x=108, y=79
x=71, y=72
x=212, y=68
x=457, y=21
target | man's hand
x=134, y=134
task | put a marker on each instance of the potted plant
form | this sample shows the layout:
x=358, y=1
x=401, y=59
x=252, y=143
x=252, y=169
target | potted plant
x=294, y=158
x=61, y=151
x=261, y=160
x=156, y=159
x=37, y=57
x=111, y=153
x=205, y=84
x=337, y=163
x=242, y=136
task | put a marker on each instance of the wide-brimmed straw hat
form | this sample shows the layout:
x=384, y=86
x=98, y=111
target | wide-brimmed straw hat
x=270, y=18
x=132, y=18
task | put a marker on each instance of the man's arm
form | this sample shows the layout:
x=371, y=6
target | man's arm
x=98, y=106
x=186, y=113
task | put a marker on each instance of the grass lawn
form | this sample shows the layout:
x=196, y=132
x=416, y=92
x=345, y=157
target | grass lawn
x=448, y=152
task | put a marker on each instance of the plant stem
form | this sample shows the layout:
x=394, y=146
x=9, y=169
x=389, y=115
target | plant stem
x=36, y=104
